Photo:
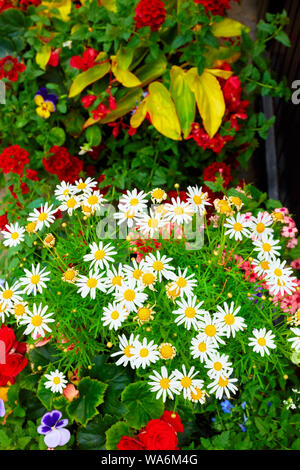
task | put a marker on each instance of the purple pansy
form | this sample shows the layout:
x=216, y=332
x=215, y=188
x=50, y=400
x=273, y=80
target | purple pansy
x=2, y=408
x=52, y=426
x=48, y=96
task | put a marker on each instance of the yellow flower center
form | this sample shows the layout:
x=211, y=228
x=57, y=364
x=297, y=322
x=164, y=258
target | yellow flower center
x=7, y=294
x=36, y=320
x=266, y=247
x=127, y=352
x=99, y=254
x=236, y=201
x=117, y=281
x=223, y=382
x=92, y=282
x=14, y=235
x=181, y=282
x=178, y=210
x=43, y=216
x=137, y=273
x=278, y=215
x=237, y=227
x=210, y=330
x=70, y=274
x=115, y=315
x=144, y=313
x=49, y=238
x=202, y=347
x=152, y=223
x=31, y=226
x=134, y=201
x=35, y=279
x=66, y=192
x=158, y=266
x=224, y=207
x=265, y=265
x=186, y=382
x=197, y=199
x=129, y=295
x=81, y=186
x=166, y=351
x=217, y=366
x=165, y=383
x=148, y=278
x=278, y=272
x=92, y=200
x=261, y=341
x=71, y=203
x=56, y=380
x=190, y=312
x=144, y=352
x=158, y=193
x=198, y=395
x=19, y=310
x=129, y=215
x=260, y=227
x=229, y=319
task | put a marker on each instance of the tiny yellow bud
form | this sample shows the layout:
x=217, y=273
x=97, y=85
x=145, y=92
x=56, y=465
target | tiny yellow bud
x=84, y=217
x=21, y=265
x=89, y=367
x=31, y=347
x=248, y=294
x=35, y=243
x=263, y=297
x=196, y=266
x=215, y=252
x=64, y=224
x=24, y=259
x=176, y=185
x=175, y=334
x=109, y=344
x=250, y=258
x=39, y=368
x=270, y=299
x=74, y=310
x=229, y=295
x=58, y=293
x=148, y=328
x=128, y=238
x=254, y=366
x=65, y=350
x=285, y=376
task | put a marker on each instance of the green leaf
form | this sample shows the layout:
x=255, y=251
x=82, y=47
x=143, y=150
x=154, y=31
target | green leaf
x=115, y=433
x=91, y=393
x=93, y=135
x=92, y=437
x=57, y=136
x=283, y=38
x=85, y=79
x=183, y=98
x=141, y=404
x=149, y=72
x=44, y=394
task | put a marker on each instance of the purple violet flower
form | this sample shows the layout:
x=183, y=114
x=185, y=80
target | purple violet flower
x=2, y=408
x=52, y=426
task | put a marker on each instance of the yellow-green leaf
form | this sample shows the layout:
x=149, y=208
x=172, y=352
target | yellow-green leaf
x=149, y=72
x=63, y=6
x=124, y=76
x=162, y=111
x=42, y=57
x=220, y=73
x=139, y=115
x=209, y=99
x=110, y=5
x=228, y=28
x=91, y=75
x=184, y=99
x=129, y=101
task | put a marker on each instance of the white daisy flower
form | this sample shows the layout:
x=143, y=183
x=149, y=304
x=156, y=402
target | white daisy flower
x=133, y=200
x=35, y=280
x=279, y=279
x=126, y=347
x=218, y=365
x=229, y=320
x=199, y=396
x=160, y=265
x=150, y=225
x=87, y=185
x=93, y=200
x=295, y=340
x=130, y=295
x=19, y=309
x=237, y=227
x=114, y=315
x=198, y=199
x=100, y=255
x=202, y=348
x=4, y=311
x=134, y=272
x=178, y=211
x=42, y=217
x=148, y=278
x=13, y=235
x=130, y=216
x=56, y=381
x=10, y=295
x=260, y=226
x=37, y=321
x=158, y=195
x=261, y=268
x=114, y=277
x=187, y=382
x=189, y=312
x=88, y=284
x=211, y=330
x=164, y=384
x=63, y=190
x=182, y=283
x=70, y=203
x=262, y=341
x=144, y=353
x=267, y=248
x=221, y=385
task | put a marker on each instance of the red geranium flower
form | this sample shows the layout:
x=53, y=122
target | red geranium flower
x=62, y=164
x=212, y=171
x=10, y=68
x=27, y=3
x=100, y=112
x=215, y=7
x=13, y=159
x=86, y=61
x=14, y=356
x=128, y=443
x=3, y=221
x=5, y=5
x=173, y=419
x=32, y=174
x=150, y=13
x=88, y=100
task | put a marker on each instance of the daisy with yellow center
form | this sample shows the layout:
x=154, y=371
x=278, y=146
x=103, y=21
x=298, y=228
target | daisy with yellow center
x=218, y=365
x=70, y=275
x=63, y=191
x=31, y=227
x=13, y=235
x=150, y=225
x=135, y=271
x=127, y=216
x=100, y=255
x=183, y=283
x=42, y=217
x=163, y=384
x=260, y=226
x=10, y=294
x=70, y=203
x=199, y=396
x=189, y=312
x=223, y=206
x=279, y=278
x=49, y=240
x=144, y=353
x=211, y=330
x=295, y=340
x=167, y=351
x=178, y=212
x=236, y=201
x=237, y=227
x=158, y=195
x=144, y=315
x=160, y=265
x=262, y=267
x=35, y=280
x=56, y=381
x=88, y=285
x=4, y=311
x=130, y=295
x=172, y=291
x=187, y=383
x=114, y=315
x=201, y=348
x=114, y=277
x=197, y=199
x=268, y=248
x=277, y=216
x=126, y=347
x=87, y=185
x=19, y=309
x=227, y=317
x=262, y=340
x=223, y=384
x=37, y=321
x=133, y=200
x=148, y=278
x=94, y=200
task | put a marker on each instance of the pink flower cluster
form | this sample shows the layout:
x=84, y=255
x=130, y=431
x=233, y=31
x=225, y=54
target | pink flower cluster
x=290, y=303
x=289, y=229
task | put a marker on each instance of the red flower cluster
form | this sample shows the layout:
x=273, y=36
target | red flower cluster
x=100, y=112
x=14, y=356
x=13, y=159
x=215, y=169
x=10, y=68
x=159, y=434
x=87, y=61
x=88, y=100
x=215, y=7
x=27, y=3
x=62, y=164
x=202, y=139
x=150, y=13
x=3, y=221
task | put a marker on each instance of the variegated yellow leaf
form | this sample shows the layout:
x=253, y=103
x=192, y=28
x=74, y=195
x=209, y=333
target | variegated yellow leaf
x=139, y=115
x=162, y=111
x=184, y=99
x=63, y=6
x=124, y=76
x=42, y=57
x=220, y=73
x=91, y=75
x=228, y=28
